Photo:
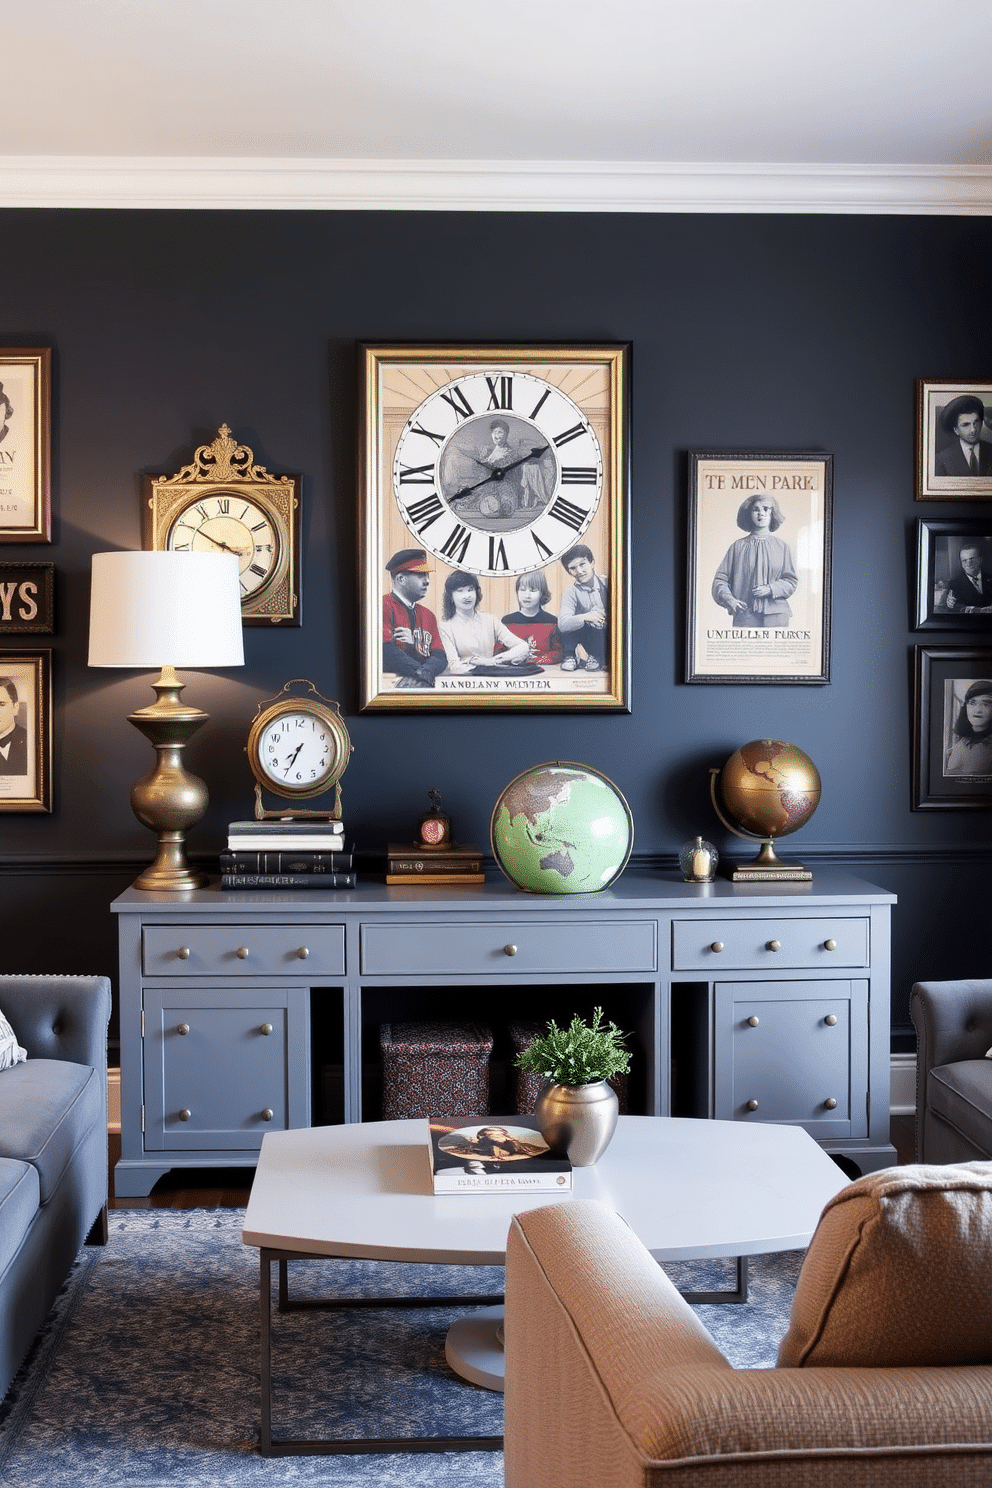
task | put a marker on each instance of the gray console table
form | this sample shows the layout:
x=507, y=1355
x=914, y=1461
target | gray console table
x=242, y=1013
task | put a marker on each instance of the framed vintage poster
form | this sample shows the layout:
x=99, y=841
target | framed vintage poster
x=27, y=599
x=953, y=441
x=952, y=734
x=953, y=575
x=25, y=445
x=494, y=489
x=759, y=568
x=25, y=731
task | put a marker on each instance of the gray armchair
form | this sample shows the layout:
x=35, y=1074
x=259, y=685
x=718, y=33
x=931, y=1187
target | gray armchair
x=953, y=1078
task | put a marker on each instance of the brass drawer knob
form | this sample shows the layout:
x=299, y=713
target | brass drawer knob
x=830, y=1104
x=266, y=1028
x=242, y=953
x=509, y=950
x=752, y=1022
x=268, y=1114
x=185, y=1114
x=830, y=1019
x=717, y=947
x=183, y=953
x=752, y=1105
x=829, y=945
x=183, y=1029
x=774, y=945
x=303, y=952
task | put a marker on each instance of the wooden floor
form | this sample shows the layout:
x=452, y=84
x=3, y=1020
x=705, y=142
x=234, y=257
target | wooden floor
x=227, y=1188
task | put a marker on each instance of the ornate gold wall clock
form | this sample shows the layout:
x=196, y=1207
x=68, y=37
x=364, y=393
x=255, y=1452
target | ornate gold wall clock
x=298, y=748
x=495, y=463
x=223, y=502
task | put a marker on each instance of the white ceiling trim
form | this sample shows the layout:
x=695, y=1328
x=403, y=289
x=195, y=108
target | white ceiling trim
x=199, y=182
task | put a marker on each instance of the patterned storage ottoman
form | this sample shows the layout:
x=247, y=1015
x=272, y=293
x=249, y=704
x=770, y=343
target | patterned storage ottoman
x=528, y=1086
x=434, y=1069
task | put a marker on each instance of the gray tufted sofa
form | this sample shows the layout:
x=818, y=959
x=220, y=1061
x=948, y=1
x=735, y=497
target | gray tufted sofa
x=53, y=1146
x=953, y=1078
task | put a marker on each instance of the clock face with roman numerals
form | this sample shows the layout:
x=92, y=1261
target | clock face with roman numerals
x=497, y=472
x=229, y=522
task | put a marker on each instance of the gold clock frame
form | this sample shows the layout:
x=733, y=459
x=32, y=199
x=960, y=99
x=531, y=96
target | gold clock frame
x=223, y=467
x=329, y=714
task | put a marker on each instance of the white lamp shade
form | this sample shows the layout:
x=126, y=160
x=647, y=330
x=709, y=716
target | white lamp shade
x=165, y=609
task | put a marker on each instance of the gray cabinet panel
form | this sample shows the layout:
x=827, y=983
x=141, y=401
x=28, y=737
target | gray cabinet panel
x=520, y=947
x=793, y=1052
x=769, y=944
x=242, y=950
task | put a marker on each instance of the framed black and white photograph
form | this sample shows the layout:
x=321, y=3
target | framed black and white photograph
x=758, y=591
x=25, y=444
x=494, y=496
x=27, y=599
x=952, y=735
x=953, y=441
x=954, y=575
x=25, y=731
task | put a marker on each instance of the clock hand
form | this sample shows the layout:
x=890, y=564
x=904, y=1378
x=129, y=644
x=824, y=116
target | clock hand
x=292, y=760
x=238, y=552
x=501, y=471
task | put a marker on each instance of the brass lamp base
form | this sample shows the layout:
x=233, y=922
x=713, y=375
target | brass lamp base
x=169, y=799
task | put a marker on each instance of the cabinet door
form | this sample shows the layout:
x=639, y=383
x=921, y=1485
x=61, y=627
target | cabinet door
x=223, y=1066
x=793, y=1052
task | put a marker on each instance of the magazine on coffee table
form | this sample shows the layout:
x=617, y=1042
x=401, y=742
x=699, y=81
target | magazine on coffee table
x=498, y=1154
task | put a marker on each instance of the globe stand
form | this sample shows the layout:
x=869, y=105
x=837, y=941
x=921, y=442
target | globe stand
x=767, y=867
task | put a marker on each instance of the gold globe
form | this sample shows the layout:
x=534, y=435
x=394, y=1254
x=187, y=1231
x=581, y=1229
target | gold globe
x=766, y=789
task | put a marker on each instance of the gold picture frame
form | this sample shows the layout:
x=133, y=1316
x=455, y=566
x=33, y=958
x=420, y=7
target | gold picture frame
x=498, y=465
x=26, y=747
x=26, y=444
x=222, y=501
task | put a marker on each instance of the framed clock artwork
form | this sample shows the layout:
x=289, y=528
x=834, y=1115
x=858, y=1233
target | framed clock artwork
x=224, y=503
x=494, y=492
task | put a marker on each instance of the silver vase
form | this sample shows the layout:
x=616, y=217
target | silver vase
x=578, y=1120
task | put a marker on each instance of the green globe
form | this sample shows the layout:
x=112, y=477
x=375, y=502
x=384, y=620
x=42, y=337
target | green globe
x=769, y=788
x=561, y=828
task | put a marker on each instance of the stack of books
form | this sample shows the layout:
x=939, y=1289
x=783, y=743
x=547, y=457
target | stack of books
x=408, y=863
x=476, y=1154
x=286, y=854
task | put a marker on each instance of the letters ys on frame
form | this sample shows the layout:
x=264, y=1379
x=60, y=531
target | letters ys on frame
x=493, y=490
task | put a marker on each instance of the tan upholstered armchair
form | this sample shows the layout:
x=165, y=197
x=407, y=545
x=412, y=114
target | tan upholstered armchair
x=612, y=1382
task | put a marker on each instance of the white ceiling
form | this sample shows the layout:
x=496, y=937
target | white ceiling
x=103, y=94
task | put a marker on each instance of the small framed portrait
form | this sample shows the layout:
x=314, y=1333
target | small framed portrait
x=952, y=737
x=759, y=568
x=954, y=575
x=953, y=441
x=25, y=731
x=494, y=494
x=25, y=445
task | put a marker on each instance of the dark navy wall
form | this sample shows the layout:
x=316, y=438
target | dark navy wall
x=766, y=332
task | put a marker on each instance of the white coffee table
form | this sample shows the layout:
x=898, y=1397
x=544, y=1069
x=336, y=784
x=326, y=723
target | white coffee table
x=689, y=1189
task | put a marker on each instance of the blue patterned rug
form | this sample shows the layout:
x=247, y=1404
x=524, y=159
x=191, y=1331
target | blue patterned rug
x=146, y=1373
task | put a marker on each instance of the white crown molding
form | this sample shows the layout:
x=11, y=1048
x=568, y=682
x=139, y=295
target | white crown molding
x=486, y=186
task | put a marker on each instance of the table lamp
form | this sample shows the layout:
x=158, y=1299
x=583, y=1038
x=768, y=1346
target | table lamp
x=167, y=610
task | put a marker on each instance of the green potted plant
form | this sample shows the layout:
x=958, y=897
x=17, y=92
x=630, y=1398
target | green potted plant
x=577, y=1109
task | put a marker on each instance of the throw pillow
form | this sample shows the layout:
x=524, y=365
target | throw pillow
x=897, y=1272
x=10, y=1050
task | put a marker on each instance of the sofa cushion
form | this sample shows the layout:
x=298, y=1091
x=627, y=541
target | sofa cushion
x=961, y=1095
x=11, y=1052
x=46, y=1107
x=18, y=1206
x=897, y=1272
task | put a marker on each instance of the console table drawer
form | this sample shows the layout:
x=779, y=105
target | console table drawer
x=531, y=946
x=766, y=945
x=242, y=950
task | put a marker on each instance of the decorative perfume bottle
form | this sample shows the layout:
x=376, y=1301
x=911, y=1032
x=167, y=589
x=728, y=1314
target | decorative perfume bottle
x=698, y=860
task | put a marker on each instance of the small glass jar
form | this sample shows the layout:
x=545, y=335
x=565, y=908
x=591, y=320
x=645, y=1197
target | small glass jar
x=698, y=860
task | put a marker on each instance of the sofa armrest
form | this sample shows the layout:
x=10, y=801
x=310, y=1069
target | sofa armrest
x=59, y=1017
x=612, y=1382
